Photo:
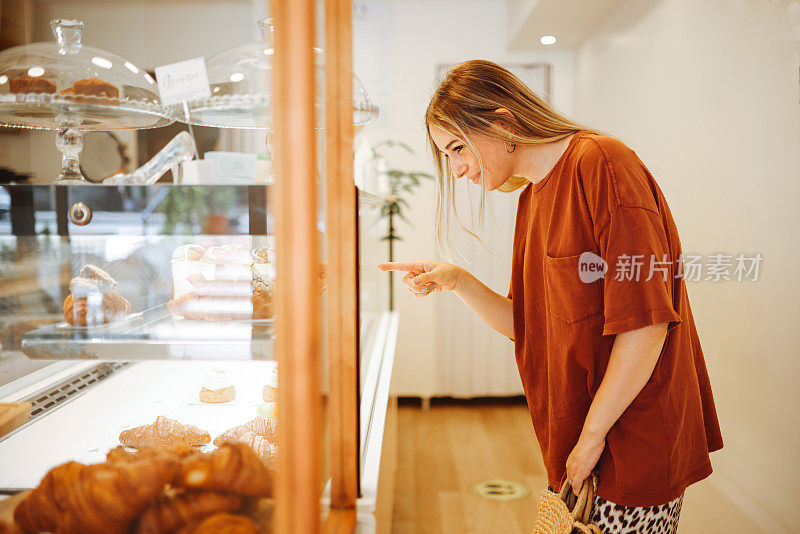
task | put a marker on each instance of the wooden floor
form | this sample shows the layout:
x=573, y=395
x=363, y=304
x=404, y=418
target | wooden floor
x=442, y=451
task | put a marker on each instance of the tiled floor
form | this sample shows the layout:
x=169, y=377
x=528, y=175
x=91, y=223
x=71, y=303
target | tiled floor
x=442, y=451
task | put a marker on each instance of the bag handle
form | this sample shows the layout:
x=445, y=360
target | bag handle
x=582, y=509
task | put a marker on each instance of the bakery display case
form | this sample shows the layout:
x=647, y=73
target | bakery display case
x=155, y=335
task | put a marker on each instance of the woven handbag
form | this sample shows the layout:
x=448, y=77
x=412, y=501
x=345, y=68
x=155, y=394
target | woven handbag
x=563, y=513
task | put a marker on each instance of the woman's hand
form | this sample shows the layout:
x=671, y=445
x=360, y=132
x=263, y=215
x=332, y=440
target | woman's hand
x=425, y=277
x=583, y=459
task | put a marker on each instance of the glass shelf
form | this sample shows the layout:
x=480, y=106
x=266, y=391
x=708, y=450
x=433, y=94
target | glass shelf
x=153, y=334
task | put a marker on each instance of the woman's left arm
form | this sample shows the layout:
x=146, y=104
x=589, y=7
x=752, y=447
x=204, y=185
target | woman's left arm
x=633, y=358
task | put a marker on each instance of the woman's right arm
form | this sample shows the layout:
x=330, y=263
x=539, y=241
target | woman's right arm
x=423, y=278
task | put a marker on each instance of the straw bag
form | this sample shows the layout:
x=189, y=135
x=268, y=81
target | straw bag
x=553, y=515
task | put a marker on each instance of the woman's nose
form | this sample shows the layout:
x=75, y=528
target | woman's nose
x=459, y=171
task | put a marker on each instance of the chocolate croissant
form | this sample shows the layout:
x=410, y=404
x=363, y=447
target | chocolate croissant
x=164, y=432
x=233, y=467
x=167, y=514
x=94, y=499
x=266, y=428
x=222, y=524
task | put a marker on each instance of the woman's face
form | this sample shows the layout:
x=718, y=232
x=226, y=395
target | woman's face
x=497, y=162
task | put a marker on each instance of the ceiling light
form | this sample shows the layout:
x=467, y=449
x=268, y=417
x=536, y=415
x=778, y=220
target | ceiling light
x=35, y=72
x=547, y=40
x=237, y=77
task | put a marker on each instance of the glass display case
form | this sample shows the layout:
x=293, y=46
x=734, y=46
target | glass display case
x=133, y=312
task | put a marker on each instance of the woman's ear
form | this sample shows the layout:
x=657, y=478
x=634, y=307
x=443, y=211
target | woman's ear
x=505, y=120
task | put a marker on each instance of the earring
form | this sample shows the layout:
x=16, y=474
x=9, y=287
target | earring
x=513, y=147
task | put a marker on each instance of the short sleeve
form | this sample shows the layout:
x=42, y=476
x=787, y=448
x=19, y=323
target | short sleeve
x=638, y=284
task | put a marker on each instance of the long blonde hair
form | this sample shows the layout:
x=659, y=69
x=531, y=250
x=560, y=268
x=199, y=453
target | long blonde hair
x=465, y=103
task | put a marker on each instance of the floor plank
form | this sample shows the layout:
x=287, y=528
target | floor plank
x=444, y=450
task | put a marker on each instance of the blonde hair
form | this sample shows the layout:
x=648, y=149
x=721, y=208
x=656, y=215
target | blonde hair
x=465, y=103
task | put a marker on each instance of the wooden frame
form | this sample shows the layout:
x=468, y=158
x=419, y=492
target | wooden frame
x=298, y=347
x=297, y=301
x=342, y=238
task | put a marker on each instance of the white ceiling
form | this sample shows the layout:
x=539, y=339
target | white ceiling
x=571, y=21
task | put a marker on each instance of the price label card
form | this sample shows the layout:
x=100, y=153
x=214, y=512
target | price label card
x=186, y=80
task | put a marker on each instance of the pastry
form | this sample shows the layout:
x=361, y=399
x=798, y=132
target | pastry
x=94, y=87
x=186, y=268
x=262, y=296
x=175, y=454
x=270, y=391
x=97, y=275
x=93, y=299
x=266, y=450
x=169, y=513
x=233, y=467
x=222, y=524
x=268, y=410
x=211, y=308
x=266, y=428
x=217, y=388
x=84, y=311
x=164, y=433
x=94, y=499
x=31, y=84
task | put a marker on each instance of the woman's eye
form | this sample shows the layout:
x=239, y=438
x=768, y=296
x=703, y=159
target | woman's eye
x=457, y=149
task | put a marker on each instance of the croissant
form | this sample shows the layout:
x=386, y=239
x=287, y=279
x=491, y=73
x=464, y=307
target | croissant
x=169, y=514
x=94, y=499
x=79, y=312
x=175, y=454
x=222, y=524
x=267, y=452
x=234, y=467
x=94, y=274
x=164, y=433
x=266, y=428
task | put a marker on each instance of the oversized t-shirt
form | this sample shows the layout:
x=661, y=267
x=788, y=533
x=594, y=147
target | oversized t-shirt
x=600, y=204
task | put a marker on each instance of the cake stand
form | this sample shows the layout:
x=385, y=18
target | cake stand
x=72, y=88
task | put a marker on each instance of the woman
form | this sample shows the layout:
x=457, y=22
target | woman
x=606, y=348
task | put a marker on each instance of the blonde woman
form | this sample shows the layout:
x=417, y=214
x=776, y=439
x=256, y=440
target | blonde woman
x=604, y=337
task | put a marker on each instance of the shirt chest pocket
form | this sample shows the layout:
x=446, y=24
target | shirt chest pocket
x=572, y=296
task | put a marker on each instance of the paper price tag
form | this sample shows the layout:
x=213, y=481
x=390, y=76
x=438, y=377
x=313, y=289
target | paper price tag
x=186, y=80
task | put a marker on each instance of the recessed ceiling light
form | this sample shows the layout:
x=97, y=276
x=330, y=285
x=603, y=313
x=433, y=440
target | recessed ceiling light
x=237, y=77
x=131, y=67
x=3, y=79
x=547, y=39
x=35, y=72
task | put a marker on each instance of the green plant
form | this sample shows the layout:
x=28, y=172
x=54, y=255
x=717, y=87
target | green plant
x=186, y=208
x=401, y=183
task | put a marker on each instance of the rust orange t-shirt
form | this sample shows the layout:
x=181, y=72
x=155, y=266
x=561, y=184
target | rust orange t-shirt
x=601, y=199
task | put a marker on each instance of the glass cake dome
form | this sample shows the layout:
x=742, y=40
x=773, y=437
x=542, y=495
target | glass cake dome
x=70, y=87
x=241, y=89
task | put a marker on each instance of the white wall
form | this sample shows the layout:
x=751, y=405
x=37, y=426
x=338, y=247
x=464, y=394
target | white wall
x=398, y=46
x=707, y=93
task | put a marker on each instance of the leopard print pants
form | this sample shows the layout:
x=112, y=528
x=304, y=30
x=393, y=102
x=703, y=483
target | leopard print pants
x=615, y=519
